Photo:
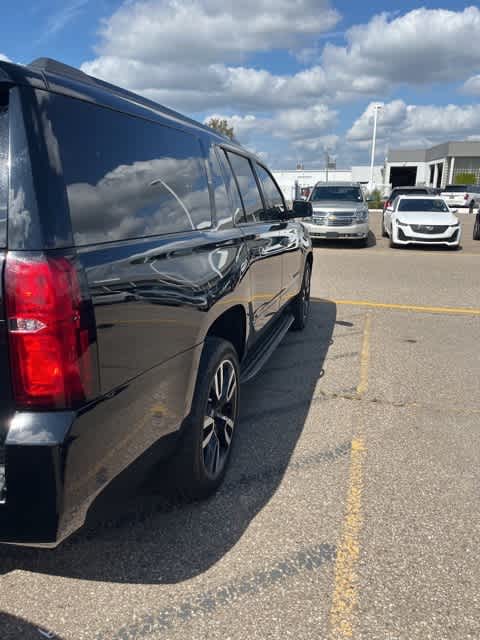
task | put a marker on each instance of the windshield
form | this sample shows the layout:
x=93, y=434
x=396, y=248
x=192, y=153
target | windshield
x=420, y=204
x=342, y=194
x=458, y=188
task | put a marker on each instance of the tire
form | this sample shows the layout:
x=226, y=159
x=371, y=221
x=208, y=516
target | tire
x=362, y=243
x=471, y=207
x=301, y=304
x=201, y=462
x=476, y=228
x=384, y=231
x=392, y=244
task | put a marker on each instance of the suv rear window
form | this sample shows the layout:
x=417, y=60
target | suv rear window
x=3, y=172
x=408, y=192
x=126, y=177
x=458, y=188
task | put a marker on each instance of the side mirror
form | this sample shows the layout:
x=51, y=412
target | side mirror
x=301, y=209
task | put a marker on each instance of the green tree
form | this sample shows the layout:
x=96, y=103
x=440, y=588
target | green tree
x=465, y=178
x=222, y=126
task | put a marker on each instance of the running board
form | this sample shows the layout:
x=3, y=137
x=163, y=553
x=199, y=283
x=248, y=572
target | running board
x=259, y=356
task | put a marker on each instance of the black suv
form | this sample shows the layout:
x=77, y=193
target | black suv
x=149, y=265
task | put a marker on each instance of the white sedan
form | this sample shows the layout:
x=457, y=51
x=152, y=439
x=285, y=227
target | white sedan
x=421, y=220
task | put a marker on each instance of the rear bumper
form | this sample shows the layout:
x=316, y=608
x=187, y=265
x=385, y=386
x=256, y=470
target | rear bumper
x=35, y=477
x=57, y=463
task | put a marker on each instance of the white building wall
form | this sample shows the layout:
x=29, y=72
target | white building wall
x=286, y=179
x=423, y=171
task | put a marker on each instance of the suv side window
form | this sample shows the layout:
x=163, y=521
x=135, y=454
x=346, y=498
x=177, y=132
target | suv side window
x=247, y=183
x=126, y=177
x=233, y=193
x=274, y=201
x=222, y=202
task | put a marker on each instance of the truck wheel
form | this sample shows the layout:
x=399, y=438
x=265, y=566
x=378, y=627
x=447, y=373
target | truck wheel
x=471, y=206
x=301, y=304
x=202, y=459
x=476, y=228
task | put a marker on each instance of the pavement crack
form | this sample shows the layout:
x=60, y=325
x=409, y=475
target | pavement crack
x=312, y=558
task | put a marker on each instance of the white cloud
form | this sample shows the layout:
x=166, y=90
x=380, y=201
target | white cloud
x=472, y=86
x=211, y=30
x=4, y=57
x=294, y=124
x=193, y=55
x=422, y=46
x=415, y=125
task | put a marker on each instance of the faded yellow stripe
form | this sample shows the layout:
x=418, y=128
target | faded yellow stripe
x=410, y=307
x=345, y=594
x=362, y=387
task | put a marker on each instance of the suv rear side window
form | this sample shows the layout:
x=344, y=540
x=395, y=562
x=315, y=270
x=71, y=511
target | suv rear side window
x=274, y=201
x=126, y=177
x=3, y=172
x=247, y=183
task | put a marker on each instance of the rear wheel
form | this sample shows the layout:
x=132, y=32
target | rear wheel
x=301, y=304
x=476, y=228
x=471, y=206
x=204, y=452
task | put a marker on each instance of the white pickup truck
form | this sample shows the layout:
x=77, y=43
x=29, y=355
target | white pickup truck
x=462, y=196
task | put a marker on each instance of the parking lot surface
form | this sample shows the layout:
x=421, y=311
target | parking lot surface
x=350, y=510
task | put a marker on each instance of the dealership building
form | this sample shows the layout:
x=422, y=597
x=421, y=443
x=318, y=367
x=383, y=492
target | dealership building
x=435, y=167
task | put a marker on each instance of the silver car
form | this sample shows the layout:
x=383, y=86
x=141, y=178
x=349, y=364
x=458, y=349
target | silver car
x=339, y=212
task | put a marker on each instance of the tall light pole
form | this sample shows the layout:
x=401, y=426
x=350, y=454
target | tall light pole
x=376, y=108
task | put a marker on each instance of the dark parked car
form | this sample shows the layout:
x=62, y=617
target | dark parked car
x=409, y=191
x=149, y=266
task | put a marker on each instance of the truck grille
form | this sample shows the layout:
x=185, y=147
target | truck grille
x=340, y=220
x=429, y=229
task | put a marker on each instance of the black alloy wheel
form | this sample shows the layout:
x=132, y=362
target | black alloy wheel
x=476, y=228
x=301, y=305
x=200, y=463
x=220, y=417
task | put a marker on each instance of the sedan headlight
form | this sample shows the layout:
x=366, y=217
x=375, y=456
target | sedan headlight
x=400, y=223
x=361, y=215
x=455, y=226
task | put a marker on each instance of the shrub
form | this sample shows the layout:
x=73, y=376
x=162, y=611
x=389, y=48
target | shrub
x=375, y=200
x=465, y=178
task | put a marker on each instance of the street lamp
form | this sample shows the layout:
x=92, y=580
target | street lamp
x=376, y=109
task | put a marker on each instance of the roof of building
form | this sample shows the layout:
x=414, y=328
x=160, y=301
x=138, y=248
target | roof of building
x=465, y=148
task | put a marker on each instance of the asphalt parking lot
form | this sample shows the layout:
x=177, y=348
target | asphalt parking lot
x=350, y=510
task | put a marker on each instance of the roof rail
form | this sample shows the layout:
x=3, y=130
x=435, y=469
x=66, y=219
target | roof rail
x=48, y=65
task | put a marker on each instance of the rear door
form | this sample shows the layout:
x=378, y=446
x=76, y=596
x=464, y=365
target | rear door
x=265, y=241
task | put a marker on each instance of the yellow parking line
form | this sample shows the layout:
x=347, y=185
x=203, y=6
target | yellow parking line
x=410, y=307
x=345, y=593
x=362, y=387
x=345, y=598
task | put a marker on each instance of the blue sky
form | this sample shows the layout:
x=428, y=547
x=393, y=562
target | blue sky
x=295, y=77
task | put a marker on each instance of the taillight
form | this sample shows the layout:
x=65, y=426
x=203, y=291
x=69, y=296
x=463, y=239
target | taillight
x=387, y=204
x=48, y=336
x=466, y=197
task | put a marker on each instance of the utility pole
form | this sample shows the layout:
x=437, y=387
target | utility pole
x=327, y=160
x=376, y=108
